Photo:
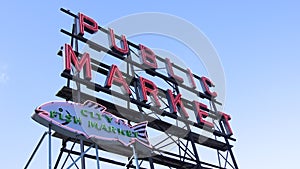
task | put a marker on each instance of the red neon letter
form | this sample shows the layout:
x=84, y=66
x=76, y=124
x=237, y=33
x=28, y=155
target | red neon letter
x=85, y=61
x=225, y=119
x=191, y=78
x=116, y=77
x=174, y=102
x=147, y=57
x=87, y=24
x=200, y=114
x=124, y=50
x=206, y=83
x=147, y=87
x=171, y=72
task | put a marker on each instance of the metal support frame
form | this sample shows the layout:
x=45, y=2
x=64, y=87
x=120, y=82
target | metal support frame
x=130, y=66
x=196, y=155
x=227, y=143
x=70, y=151
x=97, y=156
x=49, y=147
x=35, y=150
x=38, y=146
x=187, y=151
x=175, y=88
x=64, y=144
x=136, y=159
x=69, y=154
x=81, y=155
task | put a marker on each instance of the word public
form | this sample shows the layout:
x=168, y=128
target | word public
x=146, y=87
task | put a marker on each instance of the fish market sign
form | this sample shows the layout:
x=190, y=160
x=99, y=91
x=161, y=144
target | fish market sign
x=90, y=121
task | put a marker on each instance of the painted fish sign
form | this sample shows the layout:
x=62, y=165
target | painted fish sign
x=91, y=122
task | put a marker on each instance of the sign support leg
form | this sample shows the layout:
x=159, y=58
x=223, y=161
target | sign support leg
x=97, y=156
x=35, y=150
x=82, y=154
x=229, y=148
x=226, y=140
x=64, y=144
x=49, y=135
x=151, y=162
x=135, y=157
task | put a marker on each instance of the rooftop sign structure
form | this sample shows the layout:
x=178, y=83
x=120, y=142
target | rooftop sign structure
x=91, y=116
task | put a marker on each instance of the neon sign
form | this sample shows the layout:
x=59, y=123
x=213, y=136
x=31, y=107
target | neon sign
x=91, y=122
x=138, y=89
x=146, y=87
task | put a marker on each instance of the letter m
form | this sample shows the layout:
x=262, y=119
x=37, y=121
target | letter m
x=85, y=62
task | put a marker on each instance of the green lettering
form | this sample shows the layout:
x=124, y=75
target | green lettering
x=99, y=116
x=60, y=116
x=136, y=134
x=76, y=120
x=93, y=125
x=109, y=129
x=92, y=114
x=113, y=129
x=103, y=127
x=52, y=114
x=109, y=119
x=128, y=133
x=121, y=132
x=68, y=118
x=83, y=113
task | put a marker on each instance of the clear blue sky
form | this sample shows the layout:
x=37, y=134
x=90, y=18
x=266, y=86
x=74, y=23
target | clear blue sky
x=257, y=42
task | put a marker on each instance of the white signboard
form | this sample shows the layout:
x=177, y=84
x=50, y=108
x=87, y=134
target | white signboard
x=90, y=121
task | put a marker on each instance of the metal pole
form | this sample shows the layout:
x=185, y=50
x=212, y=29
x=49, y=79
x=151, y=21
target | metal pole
x=97, y=156
x=229, y=148
x=195, y=150
x=49, y=135
x=64, y=144
x=151, y=162
x=135, y=158
x=35, y=150
x=82, y=154
x=226, y=140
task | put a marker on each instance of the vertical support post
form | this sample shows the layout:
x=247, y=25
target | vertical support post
x=226, y=139
x=97, y=156
x=78, y=99
x=64, y=144
x=137, y=166
x=194, y=149
x=190, y=136
x=218, y=153
x=151, y=162
x=82, y=154
x=229, y=148
x=49, y=146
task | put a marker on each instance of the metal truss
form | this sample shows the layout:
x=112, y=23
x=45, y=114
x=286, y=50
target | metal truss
x=186, y=154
